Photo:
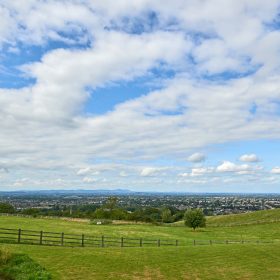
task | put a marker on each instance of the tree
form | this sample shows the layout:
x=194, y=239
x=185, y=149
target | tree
x=194, y=218
x=166, y=215
x=6, y=208
x=111, y=203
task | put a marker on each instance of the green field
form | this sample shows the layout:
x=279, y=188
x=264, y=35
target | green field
x=219, y=261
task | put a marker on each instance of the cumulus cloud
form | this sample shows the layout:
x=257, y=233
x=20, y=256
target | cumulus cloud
x=275, y=170
x=249, y=158
x=89, y=180
x=228, y=166
x=198, y=172
x=196, y=157
x=150, y=171
x=87, y=170
x=84, y=171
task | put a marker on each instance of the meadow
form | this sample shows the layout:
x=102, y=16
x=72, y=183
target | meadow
x=219, y=261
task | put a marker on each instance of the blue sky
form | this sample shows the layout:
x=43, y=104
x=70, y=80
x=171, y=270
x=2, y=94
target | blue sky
x=146, y=95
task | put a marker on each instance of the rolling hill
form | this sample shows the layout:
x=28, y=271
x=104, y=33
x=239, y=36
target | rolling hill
x=219, y=261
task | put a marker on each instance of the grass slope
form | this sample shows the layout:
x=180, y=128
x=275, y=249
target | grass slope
x=199, y=262
x=257, y=217
x=232, y=261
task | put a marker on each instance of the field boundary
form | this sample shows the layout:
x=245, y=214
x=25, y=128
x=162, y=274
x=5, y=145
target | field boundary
x=22, y=236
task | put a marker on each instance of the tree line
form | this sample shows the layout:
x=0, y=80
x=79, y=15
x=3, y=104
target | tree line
x=112, y=211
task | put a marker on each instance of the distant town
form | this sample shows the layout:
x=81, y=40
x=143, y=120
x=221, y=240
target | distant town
x=54, y=202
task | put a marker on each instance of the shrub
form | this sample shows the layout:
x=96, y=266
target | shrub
x=22, y=267
x=6, y=208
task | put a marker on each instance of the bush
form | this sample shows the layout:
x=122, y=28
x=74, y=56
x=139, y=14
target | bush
x=22, y=267
x=6, y=208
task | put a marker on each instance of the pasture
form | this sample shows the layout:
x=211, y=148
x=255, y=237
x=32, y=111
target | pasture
x=219, y=261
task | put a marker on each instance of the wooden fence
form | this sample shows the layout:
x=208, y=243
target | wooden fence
x=21, y=236
x=77, y=240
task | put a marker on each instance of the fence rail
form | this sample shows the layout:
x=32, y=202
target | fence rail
x=20, y=236
x=8, y=235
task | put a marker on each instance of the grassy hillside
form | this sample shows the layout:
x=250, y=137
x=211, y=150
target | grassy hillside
x=242, y=228
x=257, y=217
x=200, y=262
x=219, y=261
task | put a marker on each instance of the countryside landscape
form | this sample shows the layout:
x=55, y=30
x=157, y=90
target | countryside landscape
x=139, y=139
x=233, y=246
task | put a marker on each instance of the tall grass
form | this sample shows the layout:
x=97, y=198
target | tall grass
x=20, y=267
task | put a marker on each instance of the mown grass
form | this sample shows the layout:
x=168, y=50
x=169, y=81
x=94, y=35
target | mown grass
x=232, y=261
x=198, y=262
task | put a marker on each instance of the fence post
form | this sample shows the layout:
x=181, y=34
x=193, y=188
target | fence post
x=41, y=237
x=176, y=242
x=122, y=242
x=62, y=238
x=102, y=241
x=210, y=242
x=141, y=242
x=83, y=240
x=194, y=242
x=19, y=235
x=226, y=241
x=158, y=242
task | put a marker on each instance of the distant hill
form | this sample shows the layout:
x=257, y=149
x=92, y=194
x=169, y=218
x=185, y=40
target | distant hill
x=67, y=192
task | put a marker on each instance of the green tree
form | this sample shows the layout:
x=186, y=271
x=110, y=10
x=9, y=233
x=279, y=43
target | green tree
x=101, y=213
x=31, y=211
x=166, y=215
x=111, y=203
x=194, y=218
x=6, y=208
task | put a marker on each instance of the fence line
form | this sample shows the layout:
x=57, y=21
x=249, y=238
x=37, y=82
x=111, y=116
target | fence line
x=20, y=236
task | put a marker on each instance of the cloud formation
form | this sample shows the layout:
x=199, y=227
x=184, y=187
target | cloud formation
x=211, y=77
x=196, y=157
x=249, y=158
x=275, y=170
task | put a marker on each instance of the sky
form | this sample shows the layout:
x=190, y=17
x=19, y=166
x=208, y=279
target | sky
x=146, y=95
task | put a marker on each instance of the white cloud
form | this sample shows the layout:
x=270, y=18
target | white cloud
x=89, y=180
x=150, y=171
x=228, y=166
x=84, y=171
x=196, y=157
x=249, y=158
x=199, y=171
x=275, y=170
x=202, y=171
